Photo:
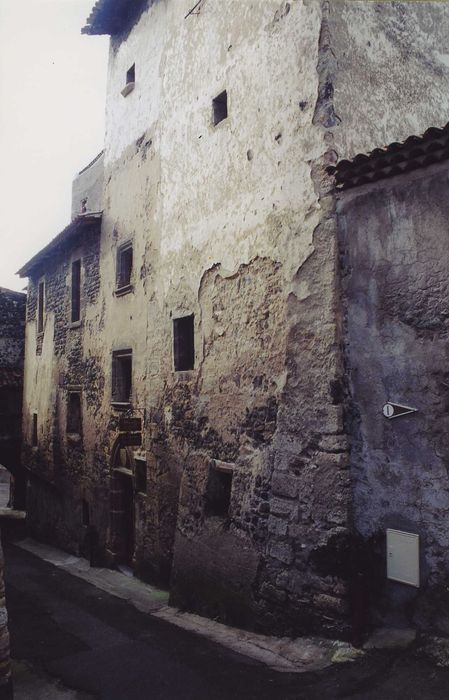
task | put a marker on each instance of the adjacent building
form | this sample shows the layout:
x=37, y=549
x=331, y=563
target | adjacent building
x=12, y=351
x=186, y=394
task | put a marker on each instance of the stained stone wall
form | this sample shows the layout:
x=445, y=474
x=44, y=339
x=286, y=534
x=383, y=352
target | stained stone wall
x=394, y=243
x=235, y=224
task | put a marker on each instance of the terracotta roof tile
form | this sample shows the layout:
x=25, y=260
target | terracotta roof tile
x=415, y=152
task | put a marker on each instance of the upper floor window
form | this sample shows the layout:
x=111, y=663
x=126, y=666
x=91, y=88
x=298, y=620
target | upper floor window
x=74, y=419
x=76, y=291
x=130, y=80
x=183, y=343
x=220, y=108
x=122, y=372
x=124, y=268
x=40, y=306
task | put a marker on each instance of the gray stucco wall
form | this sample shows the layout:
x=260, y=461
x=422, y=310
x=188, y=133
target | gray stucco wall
x=87, y=188
x=396, y=284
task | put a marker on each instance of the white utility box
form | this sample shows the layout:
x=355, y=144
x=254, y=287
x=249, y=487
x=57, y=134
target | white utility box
x=403, y=557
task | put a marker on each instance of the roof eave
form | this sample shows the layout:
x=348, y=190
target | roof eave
x=80, y=222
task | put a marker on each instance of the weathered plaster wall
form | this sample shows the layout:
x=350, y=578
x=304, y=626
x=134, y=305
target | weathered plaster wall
x=394, y=239
x=87, y=188
x=389, y=71
x=223, y=220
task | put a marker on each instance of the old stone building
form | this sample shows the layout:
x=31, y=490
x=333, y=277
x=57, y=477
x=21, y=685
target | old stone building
x=185, y=365
x=12, y=351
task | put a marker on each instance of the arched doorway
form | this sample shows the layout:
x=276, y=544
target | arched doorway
x=122, y=505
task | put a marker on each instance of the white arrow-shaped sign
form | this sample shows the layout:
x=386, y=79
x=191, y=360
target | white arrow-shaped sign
x=395, y=410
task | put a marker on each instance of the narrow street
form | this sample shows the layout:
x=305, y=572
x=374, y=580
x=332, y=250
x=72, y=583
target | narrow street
x=82, y=643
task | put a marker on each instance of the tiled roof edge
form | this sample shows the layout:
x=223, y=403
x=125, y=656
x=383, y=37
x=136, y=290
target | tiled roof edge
x=415, y=152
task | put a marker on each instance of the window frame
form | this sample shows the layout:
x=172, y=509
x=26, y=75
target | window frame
x=74, y=433
x=120, y=288
x=117, y=397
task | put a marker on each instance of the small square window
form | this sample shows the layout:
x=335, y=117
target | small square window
x=34, y=431
x=74, y=420
x=183, y=343
x=218, y=493
x=76, y=291
x=130, y=80
x=141, y=475
x=122, y=376
x=124, y=266
x=131, y=74
x=40, y=307
x=220, y=108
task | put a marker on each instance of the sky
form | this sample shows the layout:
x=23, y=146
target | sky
x=52, y=101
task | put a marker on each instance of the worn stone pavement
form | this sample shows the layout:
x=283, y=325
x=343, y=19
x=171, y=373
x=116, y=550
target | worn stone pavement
x=74, y=641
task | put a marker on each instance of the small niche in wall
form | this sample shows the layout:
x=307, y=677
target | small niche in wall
x=130, y=80
x=220, y=108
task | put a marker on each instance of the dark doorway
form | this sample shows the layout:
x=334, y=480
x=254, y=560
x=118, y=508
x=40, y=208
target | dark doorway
x=122, y=541
x=127, y=507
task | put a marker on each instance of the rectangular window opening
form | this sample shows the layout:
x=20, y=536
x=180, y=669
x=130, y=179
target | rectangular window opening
x=183, y=343
x=121, y=376
x=76, y=291
x=124, y=265
x=220, y=108
x=218, y=493
x=141, y=475
x=40, y=307
x=131, y=74
x=34, y=432
x=74, y=421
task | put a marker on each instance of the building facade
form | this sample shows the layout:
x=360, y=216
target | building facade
x=12, y=352
x=190, y=422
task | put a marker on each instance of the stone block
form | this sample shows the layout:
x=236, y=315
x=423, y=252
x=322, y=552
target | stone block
x=276, y=526
x=285, y=485
x=278, y=506
x=282, y=551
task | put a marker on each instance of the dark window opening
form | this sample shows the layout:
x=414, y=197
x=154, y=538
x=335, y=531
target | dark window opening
x=218, y=493
x=34, y=434
x=183, y=343
x=141, y=475
x=220, y=107
x=124, y=265
x=121, y=376
x=131, y=74
x=76, y=290
x=40, y=308
x=86, y=513
x=74, y=421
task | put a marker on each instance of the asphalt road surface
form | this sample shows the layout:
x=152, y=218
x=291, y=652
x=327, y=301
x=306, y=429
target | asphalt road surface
x=101, y=647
